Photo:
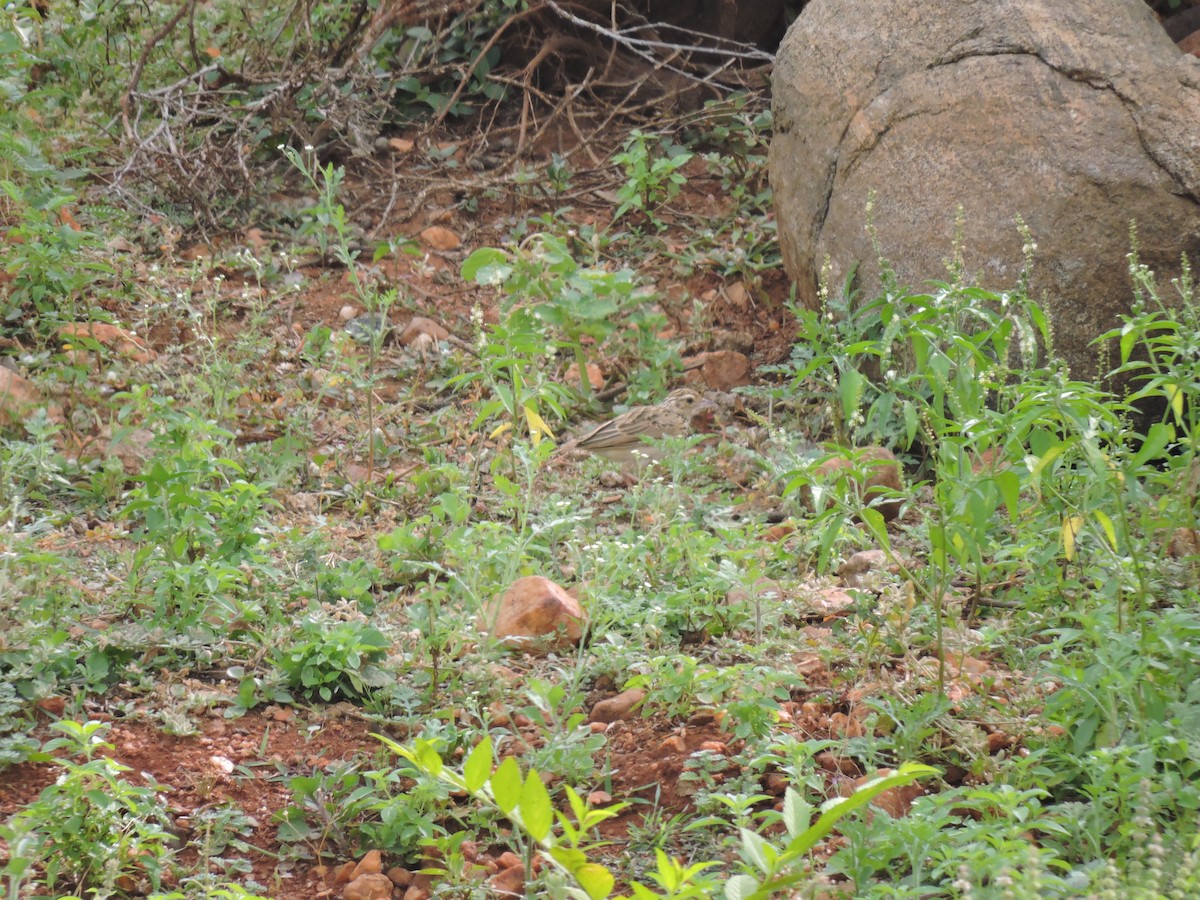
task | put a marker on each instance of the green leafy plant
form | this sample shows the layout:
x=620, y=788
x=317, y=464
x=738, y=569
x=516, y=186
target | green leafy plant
x=677, y=685
x=772, y=867
x=525, y=802
x=198, y=523
x=328, y=223
x=352, y=808
x=330, y=661
x=653, y=175
x=545, y=287
x=51, y=262
x=91, y=828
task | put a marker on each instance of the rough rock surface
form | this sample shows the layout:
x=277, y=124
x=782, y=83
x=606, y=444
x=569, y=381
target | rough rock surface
x=1077, y=116
x=534, y=613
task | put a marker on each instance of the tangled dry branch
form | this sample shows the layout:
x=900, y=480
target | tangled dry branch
x=207, y=140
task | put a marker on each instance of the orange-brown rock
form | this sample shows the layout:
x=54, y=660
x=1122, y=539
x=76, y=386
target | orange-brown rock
x=622, y=706
x=861, y=563
x=534, y=613
x=720, y=370
x=18, y=397
x=874, y=473
x=595, y=376
x=419, y=327
x=372, y=886
x=508, y=860
x=440, y=238
x=998, y=740
x=371, y=864
x=842, y=765
x=737, y=294
x=400, y=877
x=1184, y=542
x=897, y=801
x=509, y=882
x=420, y=889
x=116, y=338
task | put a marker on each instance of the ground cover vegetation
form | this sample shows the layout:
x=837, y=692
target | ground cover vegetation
x=246, y=543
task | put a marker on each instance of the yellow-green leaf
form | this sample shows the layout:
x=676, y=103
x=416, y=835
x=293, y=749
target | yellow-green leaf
x=595, y=879
x=1110, y=532
x=478, y=765
x=1175, y=396
x=1071, y=527
x=429, y=759
x=537, y=812
x=537, y=425
x=1046, y=458
x=506, y=785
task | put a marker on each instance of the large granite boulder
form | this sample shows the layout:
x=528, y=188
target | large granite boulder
x=1077, y=115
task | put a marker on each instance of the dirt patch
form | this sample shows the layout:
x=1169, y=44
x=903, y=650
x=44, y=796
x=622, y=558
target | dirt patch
x=241, y=762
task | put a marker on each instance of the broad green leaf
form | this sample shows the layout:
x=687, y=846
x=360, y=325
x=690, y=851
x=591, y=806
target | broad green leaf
x=758, y=851
x=1175, y=397
x=478, y=766
x=1157, y=438
x=911, y=422
x=487, y=265
x=873, y=519
x=1009, y=485
x=1046, y=458
x=850, y=391
x=569, y=858
x=1083, y=739
x=537, y=812
x=579, y=808
x=740, y=887
x=506, y=785
x=797, y=812
x=429, y=759
x=506, y=485
x=837, y=809
x=399, y=749
x=1128, y=337
x=1106, y=524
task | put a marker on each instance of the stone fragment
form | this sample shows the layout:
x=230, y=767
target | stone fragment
x=622, y=706
x=400, y=877
x=441, y=239
x=719, y=370
x=509, y=882
x=882, y=471
x=595, y=376
x=862, y=562
x=114, y=337
x=370, y=864
x=420, y=326
x=897, y=801
x=534, y=613
x=18, y=397
x=373, y=886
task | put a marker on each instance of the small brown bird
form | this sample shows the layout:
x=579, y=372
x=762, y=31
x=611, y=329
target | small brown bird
x=620, y=439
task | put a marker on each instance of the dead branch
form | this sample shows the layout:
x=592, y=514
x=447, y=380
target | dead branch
x=207, y=139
